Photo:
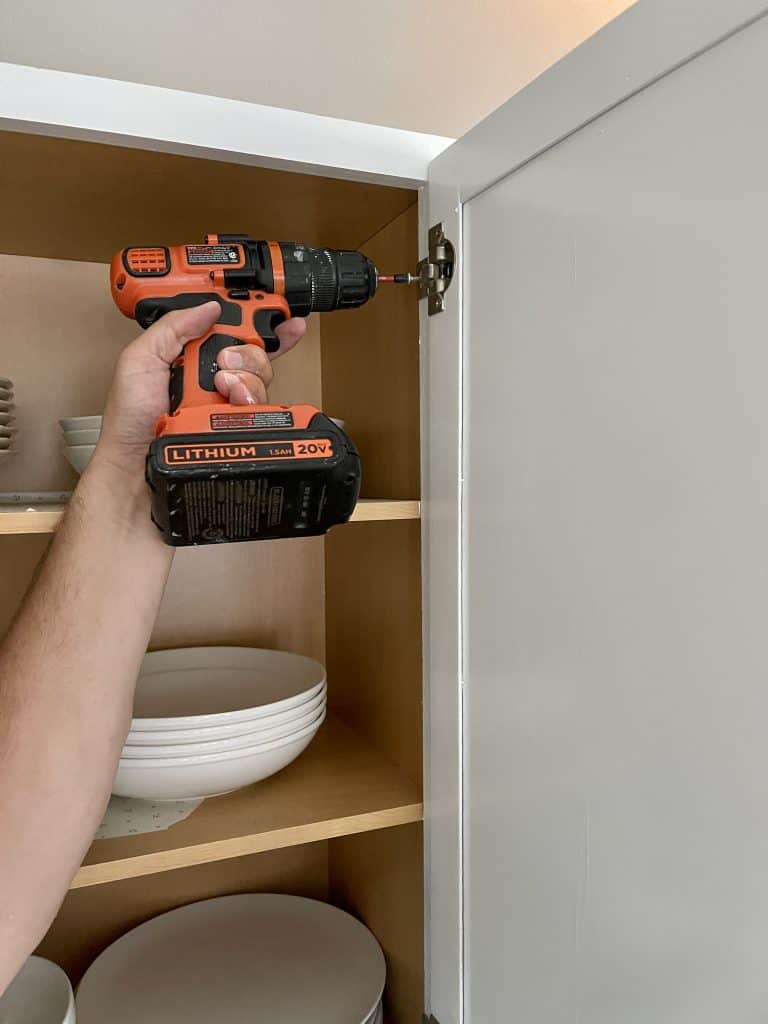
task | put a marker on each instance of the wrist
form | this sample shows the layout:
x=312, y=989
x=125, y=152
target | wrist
x=114, y=484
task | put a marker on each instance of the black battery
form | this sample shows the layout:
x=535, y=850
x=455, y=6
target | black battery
x=252, y=484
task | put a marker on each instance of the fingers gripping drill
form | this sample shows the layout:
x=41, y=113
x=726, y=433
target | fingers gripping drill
x=220, y=472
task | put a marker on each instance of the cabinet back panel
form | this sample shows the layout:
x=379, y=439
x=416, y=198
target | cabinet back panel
x=84, y=200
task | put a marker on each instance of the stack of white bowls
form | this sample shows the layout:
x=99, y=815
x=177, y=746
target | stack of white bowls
x=209, y=720
x=80, y=436
x=7, y=410
x=235, y=959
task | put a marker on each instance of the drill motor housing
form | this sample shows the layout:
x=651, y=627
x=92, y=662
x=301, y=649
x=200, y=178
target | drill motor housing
x=219, y=472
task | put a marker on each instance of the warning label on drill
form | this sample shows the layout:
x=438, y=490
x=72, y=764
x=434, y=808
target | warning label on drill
x=219, y=510
x=259, y=420
x=218, y=254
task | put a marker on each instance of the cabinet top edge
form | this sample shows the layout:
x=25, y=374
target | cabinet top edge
x=641, y=45
x=89, y=108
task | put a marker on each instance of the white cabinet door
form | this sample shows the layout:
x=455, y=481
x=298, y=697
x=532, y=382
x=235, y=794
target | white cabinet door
x=596, y=538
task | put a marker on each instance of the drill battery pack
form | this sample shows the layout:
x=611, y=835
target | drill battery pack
x=255, y=473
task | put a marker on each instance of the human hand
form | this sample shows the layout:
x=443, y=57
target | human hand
x=139, y=392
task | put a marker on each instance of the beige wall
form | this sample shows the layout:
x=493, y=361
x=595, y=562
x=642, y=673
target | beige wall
x=396, y=62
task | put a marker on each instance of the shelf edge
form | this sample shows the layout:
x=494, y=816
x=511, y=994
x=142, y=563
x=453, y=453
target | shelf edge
x=241, y=846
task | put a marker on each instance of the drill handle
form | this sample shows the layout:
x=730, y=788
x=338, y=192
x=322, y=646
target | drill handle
x=192, y=374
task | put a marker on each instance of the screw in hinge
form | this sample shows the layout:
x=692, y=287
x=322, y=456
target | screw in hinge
x=435, y=273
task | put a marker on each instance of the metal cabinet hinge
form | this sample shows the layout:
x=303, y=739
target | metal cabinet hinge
x=435, y=274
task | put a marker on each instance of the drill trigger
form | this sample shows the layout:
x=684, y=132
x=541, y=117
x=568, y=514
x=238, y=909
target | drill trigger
x=265, y=321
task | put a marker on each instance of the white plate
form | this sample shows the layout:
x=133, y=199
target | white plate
x=81, y=423
x=5, y=443
x=196, y=686
x=5, y=419
x=6, y=406
x=6, y=394
x=39, y=994
x=5, y=383
x=207, y=733
x=77, y=437
x=249, y=741
x=193, y=778
x=237, y=959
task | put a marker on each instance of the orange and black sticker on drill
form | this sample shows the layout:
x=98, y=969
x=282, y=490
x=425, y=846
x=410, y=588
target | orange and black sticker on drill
x=244, y=451
x=259, y=420
x=216, y=254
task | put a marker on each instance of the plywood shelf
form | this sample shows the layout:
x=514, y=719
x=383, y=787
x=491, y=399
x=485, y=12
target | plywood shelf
x=45, y=518
x=339, y=787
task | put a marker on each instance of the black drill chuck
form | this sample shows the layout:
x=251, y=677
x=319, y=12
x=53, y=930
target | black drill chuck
x=314, y=280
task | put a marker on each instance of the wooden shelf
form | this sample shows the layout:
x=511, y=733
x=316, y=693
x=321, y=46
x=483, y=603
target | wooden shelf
x=20, y=519
x=339, y=787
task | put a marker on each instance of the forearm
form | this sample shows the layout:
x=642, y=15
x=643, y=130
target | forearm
x=67, y=674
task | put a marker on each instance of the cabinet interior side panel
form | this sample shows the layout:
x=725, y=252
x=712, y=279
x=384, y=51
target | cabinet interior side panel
x=370, y=361
x=378, y=876
x=90, y=919
x=373, y=635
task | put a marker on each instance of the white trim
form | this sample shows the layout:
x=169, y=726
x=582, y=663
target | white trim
x=647, y=41
x=45, y=102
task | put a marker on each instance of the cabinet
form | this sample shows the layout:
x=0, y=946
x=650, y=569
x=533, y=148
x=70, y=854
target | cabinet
x=571, y=450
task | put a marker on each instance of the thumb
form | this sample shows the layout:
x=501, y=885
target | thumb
x=168, y=335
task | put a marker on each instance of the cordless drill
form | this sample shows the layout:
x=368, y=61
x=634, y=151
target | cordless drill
x=220, y=472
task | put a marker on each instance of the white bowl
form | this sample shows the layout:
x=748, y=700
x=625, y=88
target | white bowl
x=39, y=994
x=81, y=423
x=6, y=405
x=77, y=437
x=234, y=730
x=189, y=687
x=5, y=442
x=5, y=383
x=190, y=778
x=248, y=741
x=5, y=419
x=238, y=960
x=78, y=456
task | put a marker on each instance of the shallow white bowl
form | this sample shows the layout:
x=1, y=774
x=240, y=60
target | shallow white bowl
x=76, y=437
x=81, y=423
x=233, y=730
x=39, y=994
x=190, y=778
x=78, y=456
x=247, y=741
x=189, y=687
x=239, y=959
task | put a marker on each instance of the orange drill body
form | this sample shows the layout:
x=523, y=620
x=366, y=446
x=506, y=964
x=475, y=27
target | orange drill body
x=220, y=472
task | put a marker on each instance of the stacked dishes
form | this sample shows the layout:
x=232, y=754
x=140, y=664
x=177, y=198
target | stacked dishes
x=39, y=994
x=281, y=959
x=7, y=410
x=208, y=720
x=81, y=434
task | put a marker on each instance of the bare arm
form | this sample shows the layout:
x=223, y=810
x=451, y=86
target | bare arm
x=69, y=663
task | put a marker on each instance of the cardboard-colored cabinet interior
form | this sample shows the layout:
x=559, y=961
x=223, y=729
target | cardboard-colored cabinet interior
x=343, y=823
